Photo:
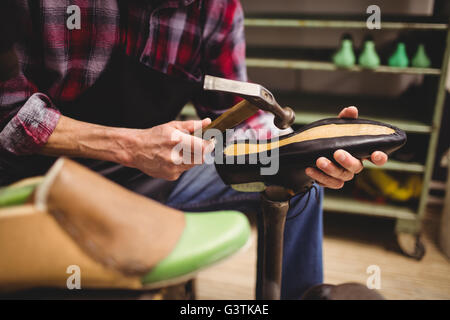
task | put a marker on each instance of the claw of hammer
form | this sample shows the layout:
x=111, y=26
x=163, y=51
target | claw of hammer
x=254, y=93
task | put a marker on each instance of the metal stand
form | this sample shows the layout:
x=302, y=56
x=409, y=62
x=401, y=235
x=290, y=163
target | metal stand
x=274, y=205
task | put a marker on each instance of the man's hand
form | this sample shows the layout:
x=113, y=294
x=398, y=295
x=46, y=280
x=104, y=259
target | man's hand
x=155, y=151
x=150, y=150
x=334, y=177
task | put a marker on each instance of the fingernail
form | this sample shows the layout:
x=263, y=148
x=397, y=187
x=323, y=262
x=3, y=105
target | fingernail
x=341, y=156
x=377, y=157
x=323, y=163
x=308, y=171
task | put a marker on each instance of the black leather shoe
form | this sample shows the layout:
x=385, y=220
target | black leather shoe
x=242, y=161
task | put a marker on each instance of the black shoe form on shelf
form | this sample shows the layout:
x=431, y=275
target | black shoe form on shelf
x=242, y=161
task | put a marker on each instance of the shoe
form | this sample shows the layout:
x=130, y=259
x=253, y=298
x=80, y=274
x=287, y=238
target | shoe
x=241, y=162
x=117, y=238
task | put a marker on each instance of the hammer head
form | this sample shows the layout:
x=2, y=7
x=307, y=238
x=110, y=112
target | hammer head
x=255, y=94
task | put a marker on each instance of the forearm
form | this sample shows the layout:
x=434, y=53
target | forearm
x=81, y=139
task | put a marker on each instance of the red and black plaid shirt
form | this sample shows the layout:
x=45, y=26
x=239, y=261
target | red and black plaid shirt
x=163, y=36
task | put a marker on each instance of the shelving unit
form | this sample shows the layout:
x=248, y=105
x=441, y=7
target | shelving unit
x=348, y=205
x=309, y=108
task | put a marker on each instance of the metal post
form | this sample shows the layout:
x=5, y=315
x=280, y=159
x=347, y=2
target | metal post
x=274, y=205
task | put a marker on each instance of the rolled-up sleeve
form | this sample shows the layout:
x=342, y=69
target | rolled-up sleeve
x=29, y=128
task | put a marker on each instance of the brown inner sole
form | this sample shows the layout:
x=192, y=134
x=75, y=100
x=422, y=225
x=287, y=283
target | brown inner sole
x=321, y=132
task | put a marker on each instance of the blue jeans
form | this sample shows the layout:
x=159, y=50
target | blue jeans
x=201, y=189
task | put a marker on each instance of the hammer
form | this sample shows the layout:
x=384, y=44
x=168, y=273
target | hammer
x=255, y=97
x=274, y=199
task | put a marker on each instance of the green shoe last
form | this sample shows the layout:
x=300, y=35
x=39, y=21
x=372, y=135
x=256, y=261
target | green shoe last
x=344, y=57
x=369, y=57
x=420, y=59
x=399, y=58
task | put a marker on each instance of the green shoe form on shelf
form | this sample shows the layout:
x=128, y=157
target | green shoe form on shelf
x=117, y=238
x=369, y=58
x=345, y=57
x=399, y=58
x=420, y=59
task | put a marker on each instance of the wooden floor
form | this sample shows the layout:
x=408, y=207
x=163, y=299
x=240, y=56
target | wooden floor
x=351, y=244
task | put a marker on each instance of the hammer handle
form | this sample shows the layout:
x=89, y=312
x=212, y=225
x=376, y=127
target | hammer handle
x=232, y=117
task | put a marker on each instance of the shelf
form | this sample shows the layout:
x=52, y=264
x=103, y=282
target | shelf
x=395, y=165
x=412, y=126
x=328, y=66
x=317, y=23
x=347, y=204
x=312, y=107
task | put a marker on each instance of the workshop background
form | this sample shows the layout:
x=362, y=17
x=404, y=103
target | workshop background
x=393, y=218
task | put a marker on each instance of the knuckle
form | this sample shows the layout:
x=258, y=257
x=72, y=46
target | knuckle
x=332, y=171
x=347, y=175
x=328, y=180
x=342, y=173
x=332, y=182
